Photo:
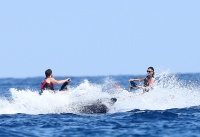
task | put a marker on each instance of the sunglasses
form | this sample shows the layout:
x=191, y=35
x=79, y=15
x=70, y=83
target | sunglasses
x=149, y=71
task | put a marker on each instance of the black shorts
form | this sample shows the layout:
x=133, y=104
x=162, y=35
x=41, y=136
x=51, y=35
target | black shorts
x=133, y=84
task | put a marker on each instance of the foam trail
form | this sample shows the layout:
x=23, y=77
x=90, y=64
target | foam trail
x=30, y=102
x=168, y=93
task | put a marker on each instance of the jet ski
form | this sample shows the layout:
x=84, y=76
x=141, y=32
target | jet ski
x=98, y=106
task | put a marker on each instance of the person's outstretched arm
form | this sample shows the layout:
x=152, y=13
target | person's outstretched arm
x=54, y=81
x=138, y=79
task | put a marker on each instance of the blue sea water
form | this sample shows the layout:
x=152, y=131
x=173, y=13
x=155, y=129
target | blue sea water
x=172, y=108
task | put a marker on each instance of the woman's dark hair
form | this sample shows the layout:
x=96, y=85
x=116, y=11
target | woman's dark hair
x=152, y=70
x=48, y=73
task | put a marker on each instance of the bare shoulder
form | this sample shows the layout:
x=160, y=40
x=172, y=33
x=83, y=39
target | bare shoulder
x=152, y=79
x=51, y=79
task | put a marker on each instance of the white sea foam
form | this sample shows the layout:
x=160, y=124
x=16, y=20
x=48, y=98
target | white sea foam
x=168, y=93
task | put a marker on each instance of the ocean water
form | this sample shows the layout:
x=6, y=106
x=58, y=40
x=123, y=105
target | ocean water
x=172, y=108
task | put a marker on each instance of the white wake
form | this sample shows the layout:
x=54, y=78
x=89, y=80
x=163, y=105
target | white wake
x=168, y=93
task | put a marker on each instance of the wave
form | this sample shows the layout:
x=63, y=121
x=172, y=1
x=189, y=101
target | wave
x=169, y=92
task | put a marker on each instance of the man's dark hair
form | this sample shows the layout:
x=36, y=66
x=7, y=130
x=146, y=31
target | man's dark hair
x=48, y=73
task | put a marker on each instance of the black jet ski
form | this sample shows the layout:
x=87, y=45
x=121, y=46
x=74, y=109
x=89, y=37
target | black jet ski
x=99, y=106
